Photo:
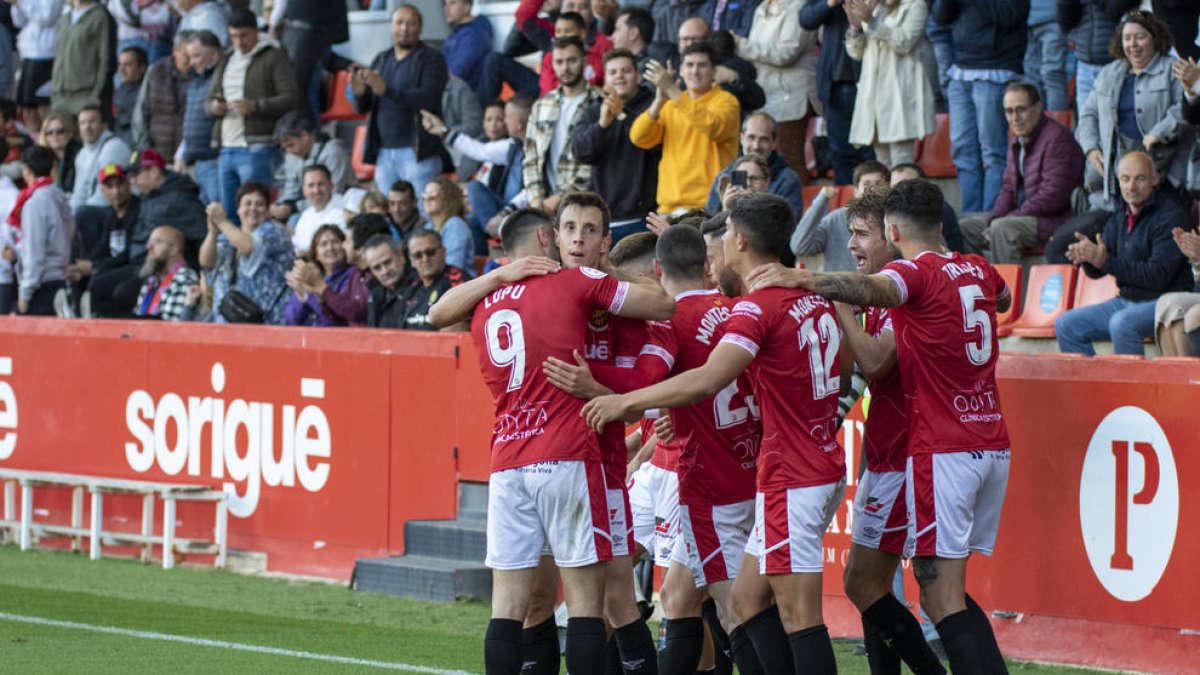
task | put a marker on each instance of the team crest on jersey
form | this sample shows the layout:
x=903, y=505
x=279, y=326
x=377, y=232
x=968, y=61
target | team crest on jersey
x=599, y=320
x=592, y=272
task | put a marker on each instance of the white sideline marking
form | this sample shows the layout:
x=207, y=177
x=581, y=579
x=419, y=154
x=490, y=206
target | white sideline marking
x=236, y=646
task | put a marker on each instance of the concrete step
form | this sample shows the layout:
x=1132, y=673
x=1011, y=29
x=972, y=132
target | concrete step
x=450, y=539
x=472, y=501
x=425, y=578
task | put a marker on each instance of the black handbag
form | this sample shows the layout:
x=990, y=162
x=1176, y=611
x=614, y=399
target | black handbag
x=237, y=307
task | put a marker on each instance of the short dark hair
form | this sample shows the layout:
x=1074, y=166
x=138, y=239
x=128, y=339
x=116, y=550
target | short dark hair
x=641, y=19
x=635, y=248
x=252, y=187
x=917, y=204
x=318, y=167
x=869, y=167
x=384, y=240
x=619, y=53
x=585, y=200
x=292, y=124
x=39, y=159
x=1031, y=91
x=522, y=103
x=139, y=55
x=498, y=103
x=575, y=18
x=909, y=166
x=699, y=48
x=569, y=41
x=91, y=108
x=366, y=225
x=1159, y=33
x=869, y=207
x=766, y=220
x=520, y=225
x=8, y=109
x=243, y=18
x=682, y=252
x=424, y=234
x=206, y=38
x=403, y=186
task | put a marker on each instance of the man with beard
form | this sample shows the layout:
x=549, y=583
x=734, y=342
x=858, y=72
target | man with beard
x=167, y=293
x=551, y=168
x=623, y=174
x=402, y=81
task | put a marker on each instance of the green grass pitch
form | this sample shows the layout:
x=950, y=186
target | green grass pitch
x=79, y=597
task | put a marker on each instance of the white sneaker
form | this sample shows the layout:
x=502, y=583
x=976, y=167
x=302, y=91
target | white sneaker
x=62, y=305
x=85, y=305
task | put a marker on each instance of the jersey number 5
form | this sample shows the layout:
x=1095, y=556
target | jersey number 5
x=512, y=355
x=973, y=318
x=815, y=333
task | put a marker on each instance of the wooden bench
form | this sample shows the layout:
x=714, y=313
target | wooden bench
x=25, y=530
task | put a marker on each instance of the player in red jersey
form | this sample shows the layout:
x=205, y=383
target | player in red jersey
x=890, y=631
x=547, y=484
x=788, y=342
x=944, y=319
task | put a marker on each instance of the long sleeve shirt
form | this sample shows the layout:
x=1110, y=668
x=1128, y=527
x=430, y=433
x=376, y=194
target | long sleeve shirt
x=46, y=232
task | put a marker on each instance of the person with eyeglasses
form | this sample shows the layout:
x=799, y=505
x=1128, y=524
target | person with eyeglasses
x=760, y=136
x=1045, y=165
x=59, y=134
x=433, y=278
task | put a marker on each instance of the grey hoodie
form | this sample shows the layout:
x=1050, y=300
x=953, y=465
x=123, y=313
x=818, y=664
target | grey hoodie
x=46, y=231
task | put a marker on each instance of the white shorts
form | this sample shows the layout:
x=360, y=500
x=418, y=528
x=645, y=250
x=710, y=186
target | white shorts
x=559, y=507
x=955, y=499
x=654, y=500
x=881, y=512
x=620, y=519
x=788, y=526
x=712, y=540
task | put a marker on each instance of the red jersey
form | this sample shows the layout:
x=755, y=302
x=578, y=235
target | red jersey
x=793, y=336
x=613, y=341
x=947, y=346
x=517, y=328
x=666, y=455
x=885, y=434
x=719, y=435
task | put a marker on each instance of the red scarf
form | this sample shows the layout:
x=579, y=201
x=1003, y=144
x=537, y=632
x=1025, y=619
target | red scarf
x=14, y=218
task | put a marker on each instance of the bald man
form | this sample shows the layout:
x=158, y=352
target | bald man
x=1135, y=246
x=171, y=288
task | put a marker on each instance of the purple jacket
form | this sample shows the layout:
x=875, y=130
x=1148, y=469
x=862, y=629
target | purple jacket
x=344, y=301
x=1053, y=169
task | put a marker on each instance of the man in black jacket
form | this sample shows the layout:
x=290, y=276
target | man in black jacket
x=385, y=258
x=1136, y=247
x=400, y=83
x=837, y=84
x=625, y=175
x=310, y=29
x=107, y=266
x=1090, y=25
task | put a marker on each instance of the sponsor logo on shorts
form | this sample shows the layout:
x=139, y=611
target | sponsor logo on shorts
x=662, y=525
x=1129, y=503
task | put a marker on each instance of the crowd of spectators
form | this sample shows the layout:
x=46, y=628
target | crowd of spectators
x=166, y=159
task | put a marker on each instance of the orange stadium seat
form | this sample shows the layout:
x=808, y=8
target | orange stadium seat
x=364, y=171
x=1012, y=276
x=935, y=156
x=809, y=193
x=1048, y=295
x=1089, y=291
x=340, y=108
x=844, y=194
x=1063, y=117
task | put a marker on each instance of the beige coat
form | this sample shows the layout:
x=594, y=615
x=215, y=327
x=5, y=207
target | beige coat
x=895, y=98
x=786, y=58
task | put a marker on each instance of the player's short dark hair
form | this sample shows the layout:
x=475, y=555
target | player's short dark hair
x=682, y=252
x=139, y=55
x=766, y=220
x=909, y=166
x=699, y=48
x=570, y=40
x=619, y=53
x=366, y=225
x=403, y=187
x=869, y=207
x=317, y=167
x=520, y=225
x=633, y=249
x=293, y=124
x=869, y=167
x=916, y=205
x=243, y=18
x=575, y=18
x=585, y=200
x=39, y=159
x=641, y=19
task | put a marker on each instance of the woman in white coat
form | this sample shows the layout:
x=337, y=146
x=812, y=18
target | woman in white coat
x=895, y=98
x=786, y=58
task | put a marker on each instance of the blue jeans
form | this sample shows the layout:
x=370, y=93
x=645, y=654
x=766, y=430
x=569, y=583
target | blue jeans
x=498, y=69
x=1046, y=64
x=1085, y=79
x=621, y=231
x=1126, y=322
x=395, y=164
x=206, y=175
x=485, y=204
x=839, y=110
x=943, y=50
x=242, y=165
x=978, y=141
